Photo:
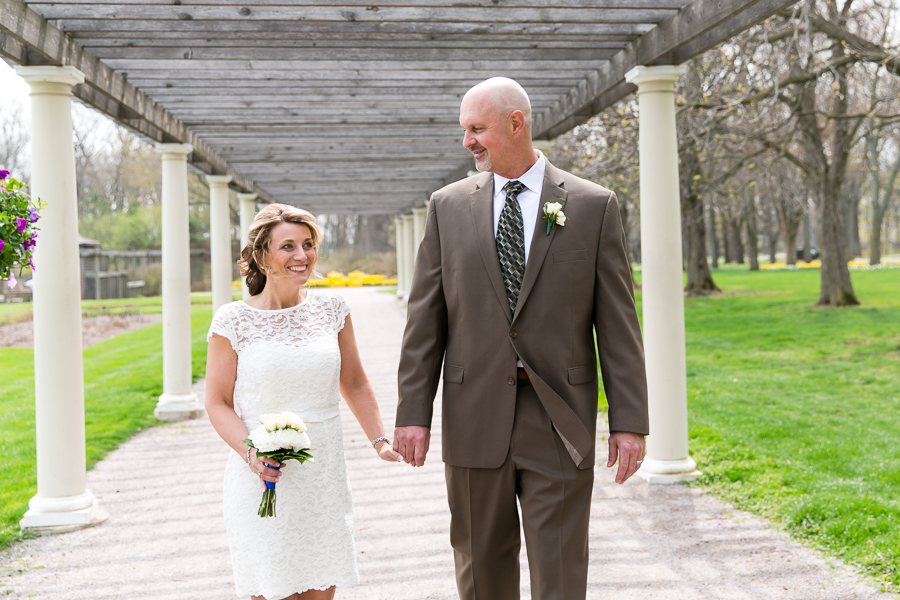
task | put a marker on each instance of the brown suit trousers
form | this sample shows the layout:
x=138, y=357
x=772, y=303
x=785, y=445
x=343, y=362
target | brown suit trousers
x=577, y=284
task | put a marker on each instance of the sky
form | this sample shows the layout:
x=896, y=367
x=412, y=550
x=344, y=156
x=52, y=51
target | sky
x=12, y=87
x=14, y=92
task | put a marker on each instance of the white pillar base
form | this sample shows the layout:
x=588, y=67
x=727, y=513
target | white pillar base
x=668, y=471
x=59, y=515
x=178, y=407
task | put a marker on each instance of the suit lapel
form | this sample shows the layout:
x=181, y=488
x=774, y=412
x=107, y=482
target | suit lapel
x=540, y=242
x=482, y=212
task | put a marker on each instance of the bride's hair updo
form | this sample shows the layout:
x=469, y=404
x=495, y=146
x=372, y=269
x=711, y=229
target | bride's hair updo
x=254, y=255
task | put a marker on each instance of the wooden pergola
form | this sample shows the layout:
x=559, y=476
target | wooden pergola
x=352, y=106
x=346, y=106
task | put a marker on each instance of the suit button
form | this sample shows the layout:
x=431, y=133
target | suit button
x=511, y=381
x=513, y=334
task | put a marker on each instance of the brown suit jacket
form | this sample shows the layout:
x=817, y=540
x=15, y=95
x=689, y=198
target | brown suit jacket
x=577, y=281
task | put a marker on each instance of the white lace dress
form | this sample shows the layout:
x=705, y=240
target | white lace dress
x=289, y=359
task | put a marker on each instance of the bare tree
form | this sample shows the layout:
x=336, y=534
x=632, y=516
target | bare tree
x=14, y=141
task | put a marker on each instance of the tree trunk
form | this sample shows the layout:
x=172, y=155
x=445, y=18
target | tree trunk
x=699, y=279
x=837, y=290
x=875, y=241
x=737, y=245
x=752, y=233
x=726, y=238
x=807, y=239
x=712, y=240
x=853, y=224
x=789, y=229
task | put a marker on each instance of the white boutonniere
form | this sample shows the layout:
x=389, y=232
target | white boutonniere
x=554, y=215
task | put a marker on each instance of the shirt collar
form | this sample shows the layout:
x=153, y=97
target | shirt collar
x=533, y=178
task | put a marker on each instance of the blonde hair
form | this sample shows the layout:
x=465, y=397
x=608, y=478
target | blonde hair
x=254, y=255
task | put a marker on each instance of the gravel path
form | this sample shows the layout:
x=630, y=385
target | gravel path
x=165, y=536
x=93, y=329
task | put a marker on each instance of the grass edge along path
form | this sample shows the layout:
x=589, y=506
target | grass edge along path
x=123, y=380
x=794, y=410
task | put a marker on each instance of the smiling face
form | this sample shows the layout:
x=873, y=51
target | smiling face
x=485, y=132
x=291, y=254
x=495, y=117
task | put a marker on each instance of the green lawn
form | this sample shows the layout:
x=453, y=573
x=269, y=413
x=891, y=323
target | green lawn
x=794, y=409
x=123, y=379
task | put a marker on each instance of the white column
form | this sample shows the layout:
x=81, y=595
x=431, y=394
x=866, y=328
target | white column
x=409, y=252
x=219, y=240
x=401, y=259
x=667, y=459
x=61, y=503
x=248, y=212
x=418, y=228
x=177, y=402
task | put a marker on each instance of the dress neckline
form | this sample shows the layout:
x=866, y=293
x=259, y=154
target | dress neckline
x=280, y=310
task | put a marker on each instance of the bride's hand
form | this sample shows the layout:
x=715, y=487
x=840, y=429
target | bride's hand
x=258, y=466
x=386, y=452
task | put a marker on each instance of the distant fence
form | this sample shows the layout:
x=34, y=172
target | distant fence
x=109, y=274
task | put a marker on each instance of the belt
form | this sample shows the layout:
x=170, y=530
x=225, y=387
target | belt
x=522, y=375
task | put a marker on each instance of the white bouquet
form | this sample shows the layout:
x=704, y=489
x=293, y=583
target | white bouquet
x=280, y=436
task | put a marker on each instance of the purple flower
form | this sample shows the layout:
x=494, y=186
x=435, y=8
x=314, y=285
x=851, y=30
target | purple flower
x=2, y=245
x=22, y=224
x=2, y=188
x=3, y=174
x=29, y=244
x=32, y=215
x=31, y=264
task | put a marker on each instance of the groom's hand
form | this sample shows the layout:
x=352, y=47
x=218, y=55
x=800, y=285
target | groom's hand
x=628, y=448
x=412, y=443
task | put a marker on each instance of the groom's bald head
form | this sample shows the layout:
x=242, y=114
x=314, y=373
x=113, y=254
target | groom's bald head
x=501, y=96
x=496, y=118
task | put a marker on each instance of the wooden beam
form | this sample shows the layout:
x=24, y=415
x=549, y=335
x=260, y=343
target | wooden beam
x=547, y=14
x=103, y=89
x=344, y=27
x=693, y=21
x=366, y=56
x=395, y=4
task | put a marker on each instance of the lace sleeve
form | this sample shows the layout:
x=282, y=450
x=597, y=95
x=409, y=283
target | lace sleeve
x=341, y=310
x=223, y=324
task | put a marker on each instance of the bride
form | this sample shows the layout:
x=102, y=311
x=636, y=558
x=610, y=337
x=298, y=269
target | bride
x=288, y=348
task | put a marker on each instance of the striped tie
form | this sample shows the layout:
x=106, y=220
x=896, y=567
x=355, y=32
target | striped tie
x=511, y=243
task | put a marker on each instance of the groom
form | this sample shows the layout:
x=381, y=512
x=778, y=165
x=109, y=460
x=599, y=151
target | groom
x=504, y=305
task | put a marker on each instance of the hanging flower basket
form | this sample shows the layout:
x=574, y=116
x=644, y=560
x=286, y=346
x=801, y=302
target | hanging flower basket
x=18, y=232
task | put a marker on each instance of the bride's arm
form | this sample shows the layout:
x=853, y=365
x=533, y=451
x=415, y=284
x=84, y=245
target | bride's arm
x=358, y=392
x=221, y=370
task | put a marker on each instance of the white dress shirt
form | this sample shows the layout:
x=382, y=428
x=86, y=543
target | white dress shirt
x=529, y=198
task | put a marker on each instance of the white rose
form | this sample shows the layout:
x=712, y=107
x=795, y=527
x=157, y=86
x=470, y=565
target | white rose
x=294, y=422
x=264, y=440
x=552, y=208
x=301, y=441
x=269, y=421
x=561, y=218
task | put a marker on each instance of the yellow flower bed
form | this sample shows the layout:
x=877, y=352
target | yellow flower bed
x=352, y=279
x=817, y=264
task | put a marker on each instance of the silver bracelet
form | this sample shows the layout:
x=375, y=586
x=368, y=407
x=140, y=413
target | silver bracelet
x=249, y=448
x=379, y=439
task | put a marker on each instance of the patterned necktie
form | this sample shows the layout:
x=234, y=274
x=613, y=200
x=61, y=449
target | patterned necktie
x=511, y=243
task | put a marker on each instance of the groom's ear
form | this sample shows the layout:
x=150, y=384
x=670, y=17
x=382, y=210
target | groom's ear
x=516, y=122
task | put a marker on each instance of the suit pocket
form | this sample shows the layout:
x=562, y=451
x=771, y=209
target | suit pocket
x=582, y=375
x=571, y=255
x=453, y=374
